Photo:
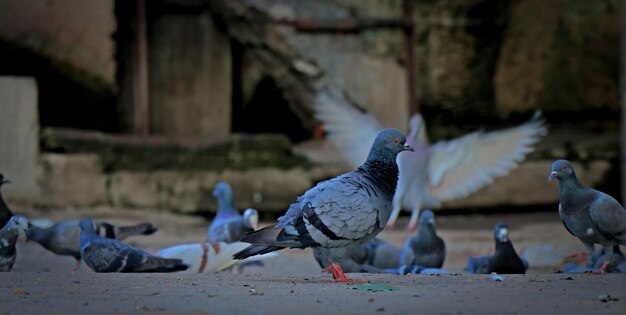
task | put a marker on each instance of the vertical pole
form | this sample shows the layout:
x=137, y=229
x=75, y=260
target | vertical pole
x=409, y=42
x=622, y=85
x=140, y=65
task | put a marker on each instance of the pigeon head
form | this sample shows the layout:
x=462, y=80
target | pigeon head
x=417, y=128
x=562, y=169
x=4, y=180
x=18, y=224
x=86, y=226
x=427, y=217
x=501, y=232
x=251, y=218
x=223, y=191
x=388, y=144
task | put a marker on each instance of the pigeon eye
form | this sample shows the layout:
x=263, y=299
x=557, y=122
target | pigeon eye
x=564, y=167
x=395, y=141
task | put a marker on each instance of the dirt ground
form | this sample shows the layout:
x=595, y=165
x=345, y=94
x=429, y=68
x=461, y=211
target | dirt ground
x=292, y=283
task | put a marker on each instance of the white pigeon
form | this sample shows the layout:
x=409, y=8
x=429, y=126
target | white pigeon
x=433, y=173
x=210, y=257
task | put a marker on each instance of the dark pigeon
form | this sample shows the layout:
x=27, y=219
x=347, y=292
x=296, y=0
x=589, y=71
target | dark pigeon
x=344, y=211
x=503, y=261
x=376, y=253
x=63, y=238
x=229, y=225
x=108, y=255
x=591, y=215
x=5, y=212
x=8, y=236
x=426, y=249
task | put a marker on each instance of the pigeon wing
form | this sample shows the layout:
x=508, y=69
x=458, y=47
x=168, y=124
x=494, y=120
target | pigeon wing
x=351, y=130
x=461, y=166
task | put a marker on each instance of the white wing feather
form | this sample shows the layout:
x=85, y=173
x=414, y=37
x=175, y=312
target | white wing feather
x=192, y=254
x=350, y=130
x=461, y=166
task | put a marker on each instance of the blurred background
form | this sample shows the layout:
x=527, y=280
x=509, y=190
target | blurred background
x=139, y=104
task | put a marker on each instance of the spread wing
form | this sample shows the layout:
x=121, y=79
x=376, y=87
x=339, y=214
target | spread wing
x=461, y=166
x=351, y=130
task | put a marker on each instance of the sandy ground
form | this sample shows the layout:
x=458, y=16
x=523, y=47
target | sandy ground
x=292, y=283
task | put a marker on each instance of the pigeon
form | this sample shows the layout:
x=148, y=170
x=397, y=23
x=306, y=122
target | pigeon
x=375, y=253
x=503, y=261
x=596, y=261
x=591, y=215
x=5, y=212
x=425, y=249
x=344, y=211
x=210, y=257
x=433, y=173
x=103, y=254
x=63, y=238
x=228, y=225
x=8, y=236
x=408, y=269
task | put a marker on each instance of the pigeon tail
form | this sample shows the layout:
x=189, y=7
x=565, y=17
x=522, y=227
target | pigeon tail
x=254, y=250
x=168, y=265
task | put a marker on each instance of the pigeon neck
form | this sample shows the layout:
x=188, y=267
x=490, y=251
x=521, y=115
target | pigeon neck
x=384, y=174
x=7, y=244
x=225, y=206
x=35, y=233
x=426, y=231
x=570, y=187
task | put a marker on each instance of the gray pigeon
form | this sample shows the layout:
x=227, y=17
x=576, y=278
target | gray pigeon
x=344, y=211
x=433, y=173
x=591, y=215
x=8, y=236
x=108, y=255
x=63, y=238
x=375, y=253
x=425, y=249
x=503, y=261
x=229, y=226
x=5, y=212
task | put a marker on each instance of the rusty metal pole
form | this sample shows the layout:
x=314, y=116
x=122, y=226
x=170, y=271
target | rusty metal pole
x=409, y=42
x=141, y=112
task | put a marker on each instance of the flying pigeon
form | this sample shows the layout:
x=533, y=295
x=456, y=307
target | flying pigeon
x=8, y=236
x=344, y=211
x=5, y=212
x=375, y=253
x=63, y=238
x=426, y=249
x=228, y=225
x=210, y=257
x=108, y=255
x=503, y=261
x=591, y=215
x=433, y=173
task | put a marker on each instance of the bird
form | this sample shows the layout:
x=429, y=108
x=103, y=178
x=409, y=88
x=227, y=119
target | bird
x=229, y=225
x=210, y=257
x=596, y=261
x=8, y=237
x=591, y=215
x=425, y=249
x=503, y=261
x=433, y=173
x=5, y=212
x=376, y=253
x=344, y=211
x=63, y=238
x=103, y=254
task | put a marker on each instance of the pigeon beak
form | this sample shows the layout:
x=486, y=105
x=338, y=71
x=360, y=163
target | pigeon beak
x=408, y=148
x=552, y=175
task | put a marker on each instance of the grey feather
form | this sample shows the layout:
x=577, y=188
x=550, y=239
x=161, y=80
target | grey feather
x=229, y=225
x=591, y=215
x=426, y=248
x=374, y=253
x=109, y=255
x=8, y=236
x=344, y=211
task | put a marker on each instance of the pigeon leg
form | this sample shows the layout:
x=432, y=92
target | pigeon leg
x=608, y=259
x=77, y=266
x=602, y=269
x=413, y=221
x=339, y=275
x=394, y=215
